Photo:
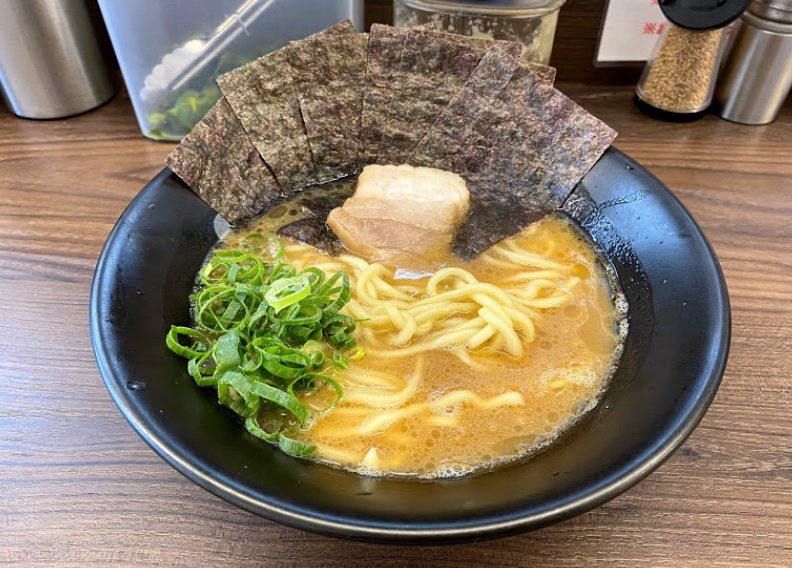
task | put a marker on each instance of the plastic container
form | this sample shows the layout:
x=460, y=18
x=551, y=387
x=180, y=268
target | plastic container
x=171, y=51
x=530, y=22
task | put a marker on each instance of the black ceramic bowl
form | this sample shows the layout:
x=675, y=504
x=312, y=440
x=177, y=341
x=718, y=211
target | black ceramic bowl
x=672, y=365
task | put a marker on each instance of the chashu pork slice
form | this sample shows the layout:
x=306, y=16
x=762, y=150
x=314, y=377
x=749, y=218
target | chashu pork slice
x=401, y=215
x=419, y=186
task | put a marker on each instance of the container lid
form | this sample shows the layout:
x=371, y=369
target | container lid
x=703, y=14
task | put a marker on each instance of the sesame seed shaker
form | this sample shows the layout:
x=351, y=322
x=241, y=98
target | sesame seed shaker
x=678, y=81
x=757, y=76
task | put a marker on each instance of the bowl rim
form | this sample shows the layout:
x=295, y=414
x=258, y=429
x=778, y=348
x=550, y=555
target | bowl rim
x=396, y=532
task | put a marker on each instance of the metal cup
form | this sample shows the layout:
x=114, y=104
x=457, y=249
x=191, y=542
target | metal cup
x=758, y=74
x=52, y=61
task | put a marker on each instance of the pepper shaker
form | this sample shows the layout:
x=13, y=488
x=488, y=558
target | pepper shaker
x=757, y=76
x=678, y=81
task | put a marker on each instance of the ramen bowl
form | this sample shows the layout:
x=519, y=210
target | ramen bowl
x=673, y=360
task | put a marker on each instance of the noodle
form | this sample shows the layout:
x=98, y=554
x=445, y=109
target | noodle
x=454, y=309
x=472, y=345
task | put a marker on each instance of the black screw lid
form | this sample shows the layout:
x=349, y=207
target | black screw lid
x=703, y=14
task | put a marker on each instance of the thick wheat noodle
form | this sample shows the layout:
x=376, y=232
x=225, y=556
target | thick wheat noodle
x=464, y=355
x=371, y=459
x=444, y=274
x=454, y=309
x=453, y=398
x=371, y=377
x=512, y=340
x=381, y=422
x=445, y=421
x=389, y=400
x=524, y=258
x=480, y=337
x=406, y=333
x=535, y=286
x=530, y=276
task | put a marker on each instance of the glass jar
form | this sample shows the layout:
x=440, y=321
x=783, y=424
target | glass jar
x=529, y=22
x=679, y=79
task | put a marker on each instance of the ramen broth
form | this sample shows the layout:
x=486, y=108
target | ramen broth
x=438, y=412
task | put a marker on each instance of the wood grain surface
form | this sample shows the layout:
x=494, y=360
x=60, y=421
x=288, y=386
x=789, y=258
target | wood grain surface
x=79, y=487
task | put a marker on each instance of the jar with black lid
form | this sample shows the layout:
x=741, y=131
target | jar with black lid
x=678, y=81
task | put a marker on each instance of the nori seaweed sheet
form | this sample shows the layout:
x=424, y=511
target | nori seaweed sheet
x=330, y=75
x=384, y=58
x=513, y=48
x=521, y=145
x=432, y=70
x=220, y=164
x=493, y=215
x=549, y=142
x=462, y=138
x=262, y=95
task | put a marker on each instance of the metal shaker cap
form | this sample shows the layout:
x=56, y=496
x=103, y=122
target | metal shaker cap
x=703, y=14
x=775, y=10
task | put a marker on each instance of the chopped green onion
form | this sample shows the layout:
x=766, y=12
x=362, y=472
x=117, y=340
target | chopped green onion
x=263, y=333
x=293, y=447
x=287, y=291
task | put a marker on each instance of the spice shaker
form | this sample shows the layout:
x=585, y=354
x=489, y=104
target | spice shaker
x=529, y=22
x=678, y=81
x=757, y=76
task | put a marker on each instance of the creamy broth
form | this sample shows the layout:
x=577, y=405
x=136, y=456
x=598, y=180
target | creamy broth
x=438, y=412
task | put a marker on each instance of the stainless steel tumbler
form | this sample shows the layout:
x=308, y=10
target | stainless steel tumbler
x=52, y=62
x=757, y=76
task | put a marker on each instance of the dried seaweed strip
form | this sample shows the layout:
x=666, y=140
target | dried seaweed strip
x=521, y=145
x=431, y=72
x=462, y=137
x=341, y=28
x=384, y=57
x=220, y=164
x=263, y=98
x=495, y=214
x=543, y=150
x=513, y=48
x=544, y=72
x=384, y=53
x=330, y=73
x=550, y=142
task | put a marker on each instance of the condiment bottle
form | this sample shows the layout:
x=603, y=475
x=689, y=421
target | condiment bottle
x=679, y=79
x=530, y=22
x=757, y=76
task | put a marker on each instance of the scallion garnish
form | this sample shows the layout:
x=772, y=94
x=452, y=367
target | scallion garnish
x=260, y=336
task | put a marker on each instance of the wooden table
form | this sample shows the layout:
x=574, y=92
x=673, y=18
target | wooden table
x=80, y=487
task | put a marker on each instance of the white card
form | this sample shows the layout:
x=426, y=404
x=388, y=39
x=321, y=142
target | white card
x=630, y=31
